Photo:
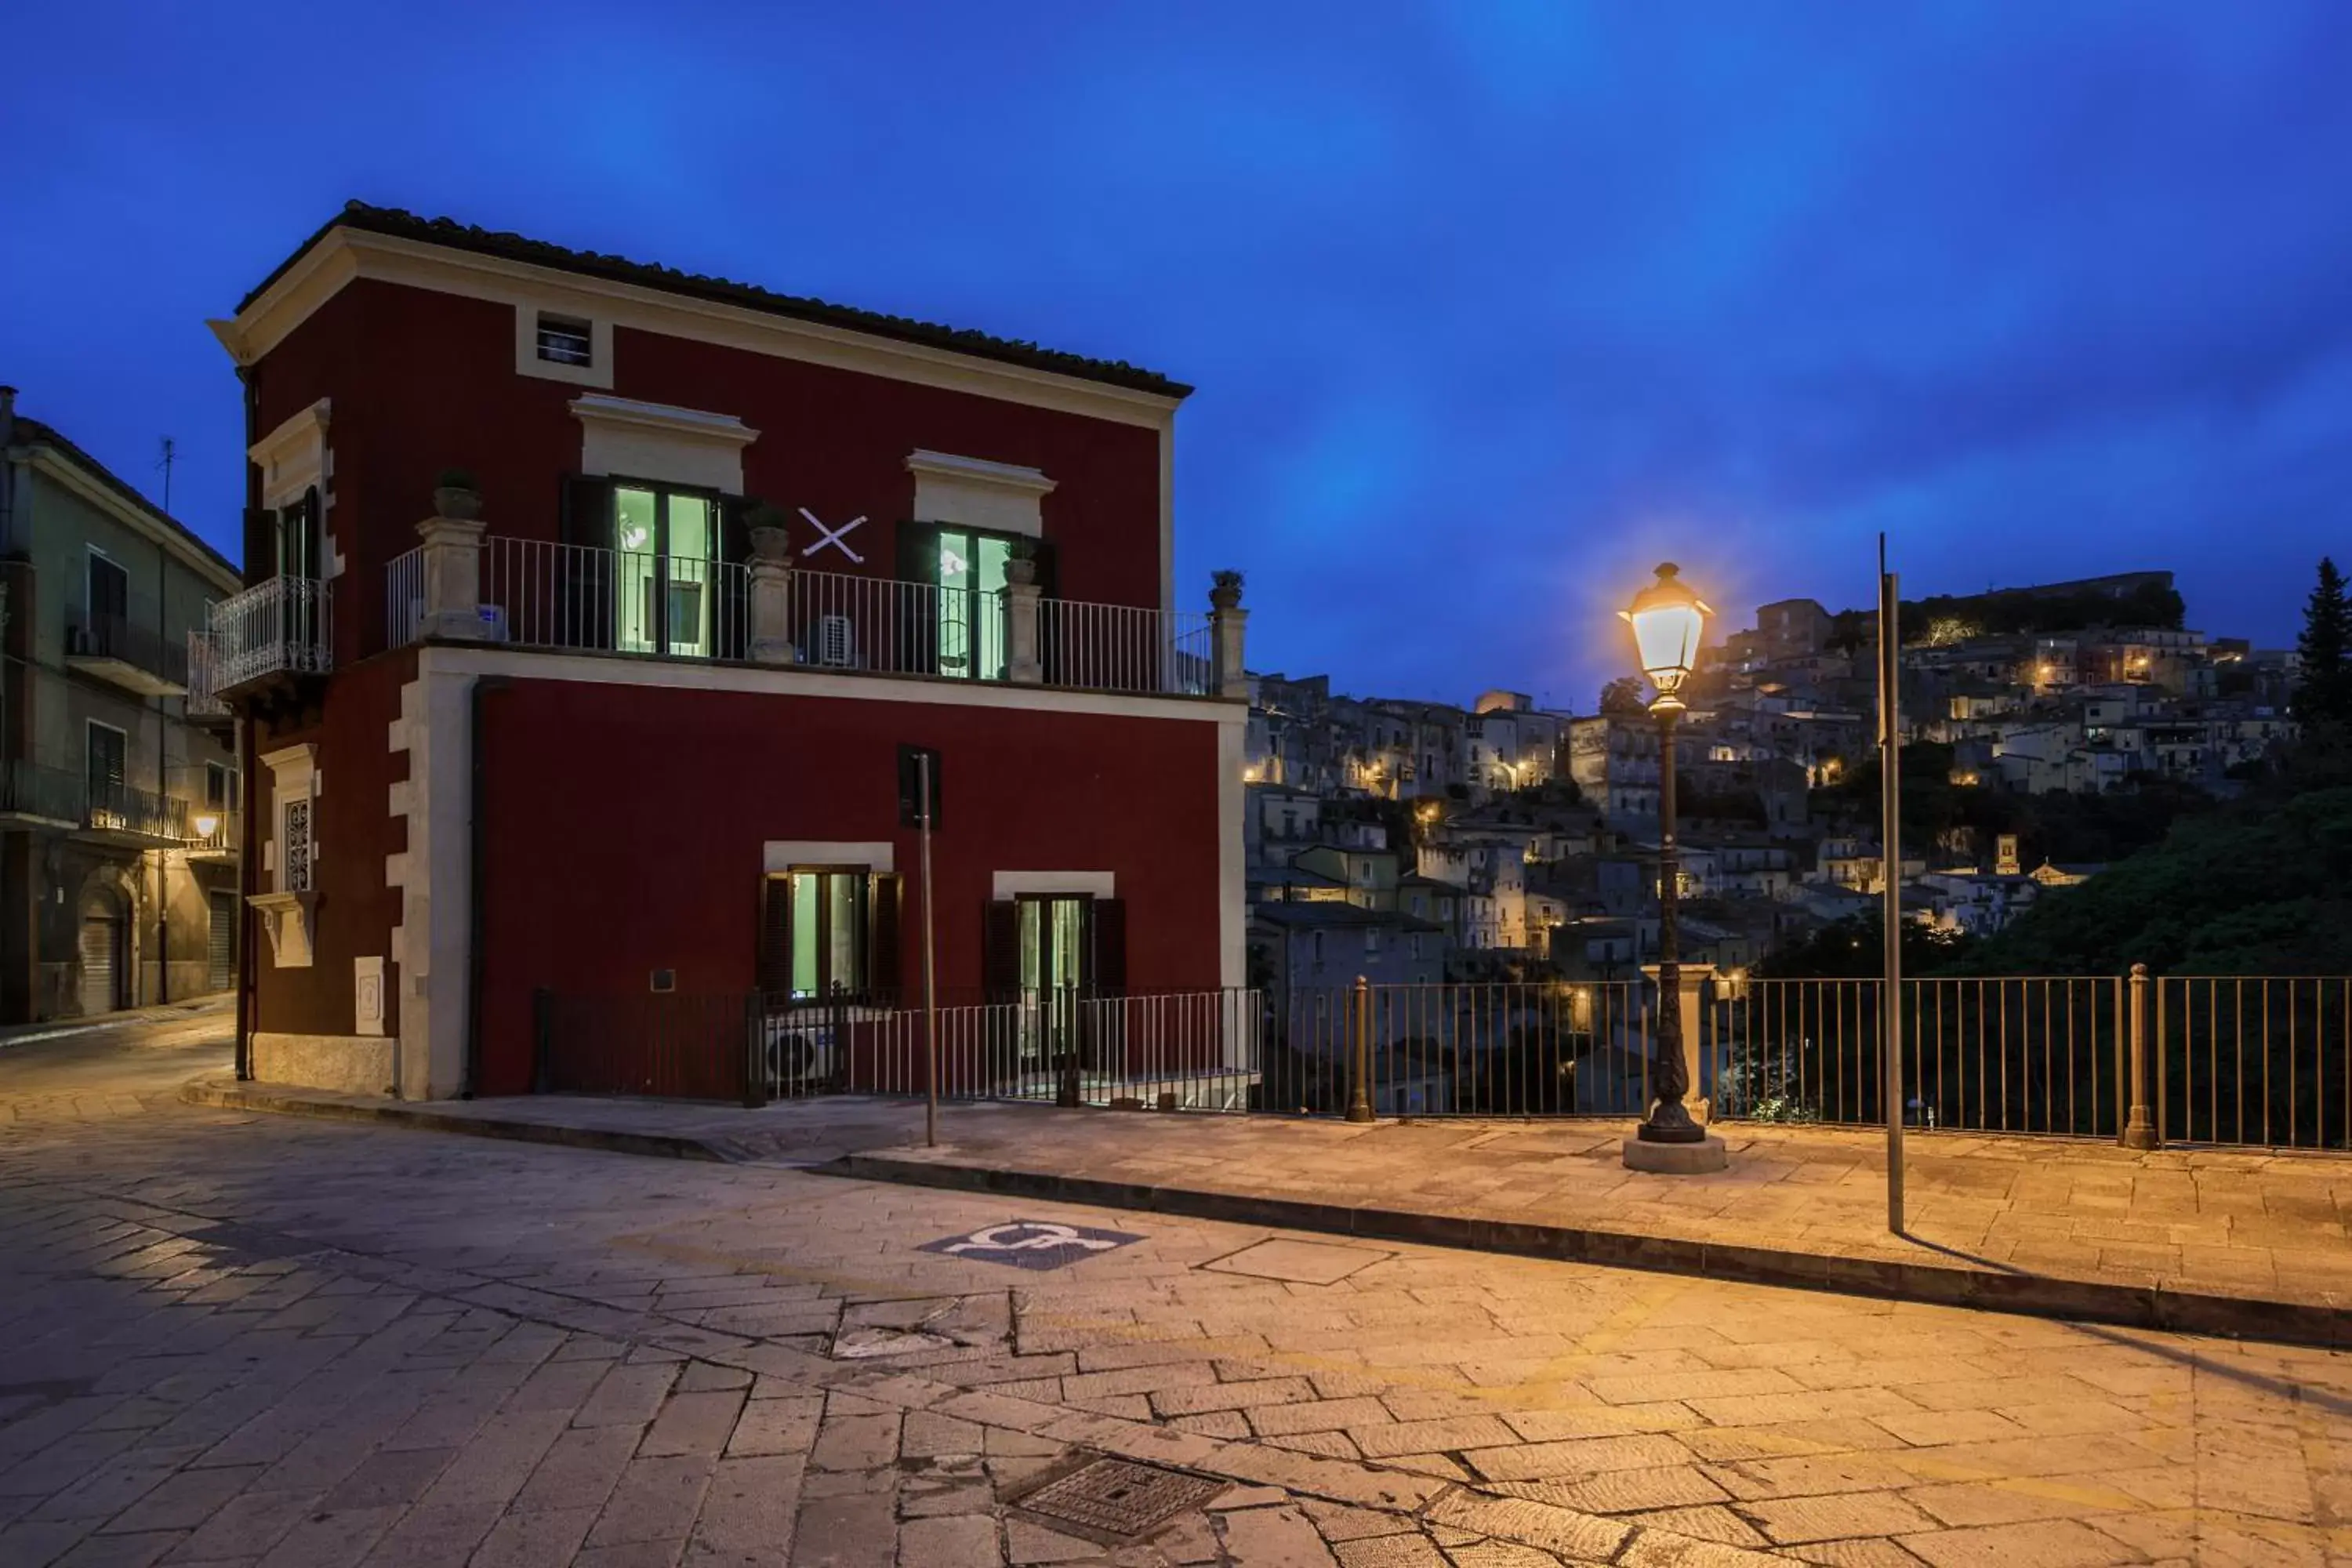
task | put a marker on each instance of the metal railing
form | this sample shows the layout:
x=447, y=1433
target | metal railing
x=2263, y=1060
x=226, y=834
x=1122, y=647
x=128, y=640
x=54, y=794
x=204, y=676
x=1505, y=1048
x=543, y=594
x=281, y=625
x=1187, y=1049
x=2031, y=1055
x=116, y=807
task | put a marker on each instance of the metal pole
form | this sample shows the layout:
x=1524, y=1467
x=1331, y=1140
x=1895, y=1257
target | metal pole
x=1669, y=1120
x=1890, y=808
x=2139, y=1130
x=930, y=987
x=1360, y=1029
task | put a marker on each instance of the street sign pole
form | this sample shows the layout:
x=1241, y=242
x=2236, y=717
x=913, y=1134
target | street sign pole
x=930, y=987
x=1890, y=808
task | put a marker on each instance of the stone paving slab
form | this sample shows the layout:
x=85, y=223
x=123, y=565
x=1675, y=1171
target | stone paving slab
x=2245, y=1243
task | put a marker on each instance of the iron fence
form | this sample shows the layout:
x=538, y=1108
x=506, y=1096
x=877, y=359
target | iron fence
x=2021, y=1054
x=129, y=639
x=2253, y=1059
x=1168, y=1050
x=1497, y=1048
x=2256, y=1061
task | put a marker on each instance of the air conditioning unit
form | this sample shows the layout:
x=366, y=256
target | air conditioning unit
x=799, y=1055
x=834, y=642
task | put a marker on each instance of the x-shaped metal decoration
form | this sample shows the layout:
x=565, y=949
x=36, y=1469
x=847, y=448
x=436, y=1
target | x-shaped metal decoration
x=832, y=536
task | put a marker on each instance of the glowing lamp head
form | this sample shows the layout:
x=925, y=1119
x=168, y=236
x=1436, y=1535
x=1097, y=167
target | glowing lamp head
x=1668, y=620
x=206, y=825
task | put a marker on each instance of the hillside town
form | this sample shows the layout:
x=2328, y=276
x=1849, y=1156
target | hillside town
x=1417, y=841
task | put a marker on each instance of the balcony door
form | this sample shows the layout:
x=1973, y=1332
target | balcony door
x=664, y=552
x=963, y=635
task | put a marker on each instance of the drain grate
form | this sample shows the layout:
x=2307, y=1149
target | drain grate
x=1118, y=1497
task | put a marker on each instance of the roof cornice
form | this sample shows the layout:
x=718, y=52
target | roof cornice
x=342, y=253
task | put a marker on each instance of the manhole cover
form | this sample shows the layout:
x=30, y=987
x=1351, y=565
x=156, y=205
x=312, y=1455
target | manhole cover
x=1121, y=1498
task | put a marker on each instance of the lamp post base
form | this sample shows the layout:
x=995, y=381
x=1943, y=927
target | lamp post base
x=1669, y=1121
x=1676, y=1159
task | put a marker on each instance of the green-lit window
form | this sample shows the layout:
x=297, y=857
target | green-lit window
x=665, y=542
x=972, y=603
x=828, y=933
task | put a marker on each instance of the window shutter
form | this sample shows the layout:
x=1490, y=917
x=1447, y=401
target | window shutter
x=588, y=580
x=260, y=537
x=882, y=955
x=999, y=950
x=1107, y=946
x=731, y=624
x=918, y=617
x=774, y=963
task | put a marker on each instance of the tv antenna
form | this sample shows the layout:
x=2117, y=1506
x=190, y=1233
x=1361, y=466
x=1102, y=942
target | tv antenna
x=164, y=463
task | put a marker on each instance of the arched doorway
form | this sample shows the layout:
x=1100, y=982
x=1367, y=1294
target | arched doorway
x=105, y=964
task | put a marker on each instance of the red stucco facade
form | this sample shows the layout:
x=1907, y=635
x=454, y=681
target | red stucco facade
x=624, y=817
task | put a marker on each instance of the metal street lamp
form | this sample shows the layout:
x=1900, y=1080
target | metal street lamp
x=1667, y=620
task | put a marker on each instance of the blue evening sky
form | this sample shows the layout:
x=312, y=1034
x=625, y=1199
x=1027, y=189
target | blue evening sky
x=1491, y=305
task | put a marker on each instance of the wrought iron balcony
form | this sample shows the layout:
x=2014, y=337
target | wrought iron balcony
x=119, y=811
x=280, y=627
x=127, y=650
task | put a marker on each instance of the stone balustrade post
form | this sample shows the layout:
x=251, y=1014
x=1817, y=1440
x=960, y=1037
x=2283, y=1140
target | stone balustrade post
x=771, y=610
x=1022, y=662
x=1226, y=621
x=452, y=578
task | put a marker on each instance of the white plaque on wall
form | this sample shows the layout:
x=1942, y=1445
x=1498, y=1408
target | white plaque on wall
x=367, y=996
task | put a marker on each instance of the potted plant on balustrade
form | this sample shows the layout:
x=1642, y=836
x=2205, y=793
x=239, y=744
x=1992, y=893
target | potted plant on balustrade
x=771, y=533
x=455, y=495
x=1225, y=590
x=1020, y=561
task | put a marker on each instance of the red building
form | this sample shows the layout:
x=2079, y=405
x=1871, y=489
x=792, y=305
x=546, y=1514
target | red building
x=591, y=613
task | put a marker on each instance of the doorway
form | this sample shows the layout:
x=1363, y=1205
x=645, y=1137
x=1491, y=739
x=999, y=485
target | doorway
x=103, y=964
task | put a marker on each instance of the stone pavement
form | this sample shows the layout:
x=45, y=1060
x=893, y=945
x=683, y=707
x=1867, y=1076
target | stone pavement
x=232, y=1338
x=2224, y=1241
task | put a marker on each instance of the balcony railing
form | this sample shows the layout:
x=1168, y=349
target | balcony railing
x=281, y=626
x=52, y=794
x=135, y=813
x=127, y=649
x=204, y=677
x=63, y=797
x=537, y=594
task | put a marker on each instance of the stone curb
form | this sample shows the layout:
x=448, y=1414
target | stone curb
x=2033, y=1295
x=222, y=1096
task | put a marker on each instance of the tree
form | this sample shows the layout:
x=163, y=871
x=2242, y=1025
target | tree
x=2323, y=690
x=1623, y=695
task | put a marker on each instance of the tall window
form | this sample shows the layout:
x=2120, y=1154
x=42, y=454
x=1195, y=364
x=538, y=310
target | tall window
x=972, y=603
x=827, y=933
x=110, y=602
x=108, y=748
x=664, y=542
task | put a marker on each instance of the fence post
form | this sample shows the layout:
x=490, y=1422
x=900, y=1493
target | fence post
x=542, y=1006
x=1360, y=1052
x=769, y=634
x=2139, y=1132
x=755, y=1057
x=1023, y=663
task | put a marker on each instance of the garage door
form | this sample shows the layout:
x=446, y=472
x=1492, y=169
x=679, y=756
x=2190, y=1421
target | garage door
x=101, y=965
x=222, y=972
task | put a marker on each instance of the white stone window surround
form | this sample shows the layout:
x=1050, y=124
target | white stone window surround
x=288, y=914
x=661, y=443
x=597, y=373
x=781, y=854
x=294, y=459
x=1014, y=884
x=972, y=492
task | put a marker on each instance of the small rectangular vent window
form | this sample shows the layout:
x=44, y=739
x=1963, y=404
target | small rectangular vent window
x=563, y=340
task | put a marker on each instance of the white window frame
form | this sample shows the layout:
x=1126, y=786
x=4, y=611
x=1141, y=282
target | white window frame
x=597, y=373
